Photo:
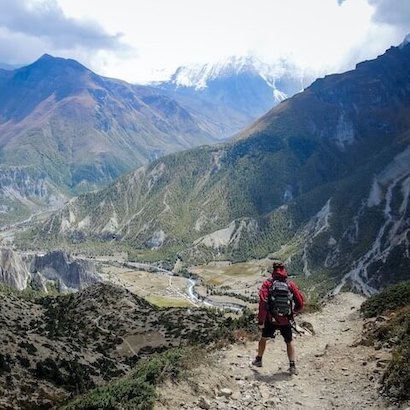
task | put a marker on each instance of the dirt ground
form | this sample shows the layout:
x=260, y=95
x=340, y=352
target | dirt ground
x=334, y=371
x=159, y=289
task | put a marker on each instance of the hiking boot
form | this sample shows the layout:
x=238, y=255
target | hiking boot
x=257, y=361
x=293, y=370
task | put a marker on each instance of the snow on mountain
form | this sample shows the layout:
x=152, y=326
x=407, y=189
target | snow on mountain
x=405, y=41
x=244, y=84
x=198, y=76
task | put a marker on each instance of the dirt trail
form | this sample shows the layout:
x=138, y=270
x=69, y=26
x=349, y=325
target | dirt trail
x=333, y=372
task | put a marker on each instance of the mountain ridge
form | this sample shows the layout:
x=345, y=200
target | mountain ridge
x=80, y=131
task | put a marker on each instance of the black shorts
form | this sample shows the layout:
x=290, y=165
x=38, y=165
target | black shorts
x=270, y=329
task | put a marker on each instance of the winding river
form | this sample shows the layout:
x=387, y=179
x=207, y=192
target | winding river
x=191, y=293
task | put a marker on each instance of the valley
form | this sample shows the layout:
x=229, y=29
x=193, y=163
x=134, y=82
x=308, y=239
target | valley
x=231, y=288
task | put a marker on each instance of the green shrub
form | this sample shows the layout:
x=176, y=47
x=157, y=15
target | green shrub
x=137, y=390
x=396, y=379
x=390, y=298
x=123, y=394
x=396, y=328
x=395, y=331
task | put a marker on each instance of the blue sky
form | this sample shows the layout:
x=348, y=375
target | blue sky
x=142, y=40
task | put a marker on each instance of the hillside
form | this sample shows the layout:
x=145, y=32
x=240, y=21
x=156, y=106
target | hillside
x=106, y=348
x=66, y=130
x=55, y=347
x=321, y=181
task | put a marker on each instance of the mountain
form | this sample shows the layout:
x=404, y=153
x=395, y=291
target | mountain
x=245, y=85
x=321, y=181
x=65, y=130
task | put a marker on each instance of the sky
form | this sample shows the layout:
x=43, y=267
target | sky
x=144, y=40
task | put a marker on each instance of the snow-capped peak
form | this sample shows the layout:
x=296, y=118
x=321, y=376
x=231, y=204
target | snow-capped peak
x=198, y=76
x=405, y=41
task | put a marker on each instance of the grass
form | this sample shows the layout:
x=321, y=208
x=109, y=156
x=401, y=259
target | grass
x=396, y=378
x=162, y=301
x=215, y=281
x=219, y=274
x=241, y=269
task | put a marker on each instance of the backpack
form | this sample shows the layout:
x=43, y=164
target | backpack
x=280, y=299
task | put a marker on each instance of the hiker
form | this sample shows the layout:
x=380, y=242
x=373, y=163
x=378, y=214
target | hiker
x=279, y=299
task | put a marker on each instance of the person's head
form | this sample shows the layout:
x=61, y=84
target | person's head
x=278, y=270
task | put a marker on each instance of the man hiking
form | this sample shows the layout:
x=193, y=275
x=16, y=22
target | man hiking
x=278, y=300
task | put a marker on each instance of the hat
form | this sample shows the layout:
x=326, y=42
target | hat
x=277, y=264
x=278, y=270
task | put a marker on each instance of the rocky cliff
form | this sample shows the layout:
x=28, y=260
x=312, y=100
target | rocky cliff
x=56, y=269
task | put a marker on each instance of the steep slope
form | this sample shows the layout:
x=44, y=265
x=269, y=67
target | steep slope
x=321, y=181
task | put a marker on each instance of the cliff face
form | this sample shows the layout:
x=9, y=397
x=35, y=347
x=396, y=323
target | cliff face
x=13, y=270
x=69, y=273
x=56, y=268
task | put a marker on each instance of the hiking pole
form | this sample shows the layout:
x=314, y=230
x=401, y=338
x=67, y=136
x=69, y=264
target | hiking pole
x=292, y=323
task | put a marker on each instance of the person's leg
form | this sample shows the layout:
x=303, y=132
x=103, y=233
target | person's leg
x=262, y=346
x=267, y=332
x=261, y=349
x=286, y=332
x=290, y=349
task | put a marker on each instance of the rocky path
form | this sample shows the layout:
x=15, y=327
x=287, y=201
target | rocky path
x=334, y=372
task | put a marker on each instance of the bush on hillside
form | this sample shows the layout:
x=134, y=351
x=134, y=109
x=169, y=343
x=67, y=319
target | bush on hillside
x=390, y=298
x=137, y=391
x=395, y=331
x=396, y=379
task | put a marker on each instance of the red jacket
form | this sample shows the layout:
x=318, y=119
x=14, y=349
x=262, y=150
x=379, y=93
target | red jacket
x=278, y=274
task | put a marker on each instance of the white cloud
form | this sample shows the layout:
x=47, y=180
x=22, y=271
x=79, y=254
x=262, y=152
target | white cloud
x=162, y=34
x=31, y=28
